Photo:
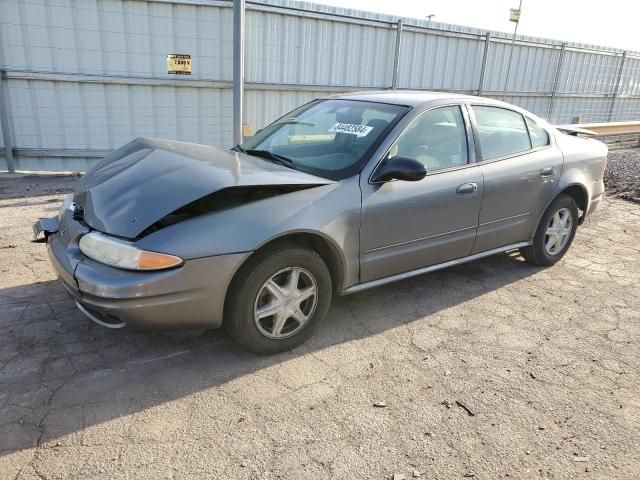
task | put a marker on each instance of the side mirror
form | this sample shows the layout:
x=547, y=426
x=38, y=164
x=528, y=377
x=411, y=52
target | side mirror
x=400, y=168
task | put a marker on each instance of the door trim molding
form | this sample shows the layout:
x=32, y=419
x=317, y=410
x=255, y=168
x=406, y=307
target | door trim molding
x=416, y=240
x=412, y=273
x=504, y=219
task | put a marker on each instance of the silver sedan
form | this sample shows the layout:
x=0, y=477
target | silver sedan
x=342, y=194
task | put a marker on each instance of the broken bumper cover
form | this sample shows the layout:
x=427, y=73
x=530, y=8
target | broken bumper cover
x=186, y=297
x=45, y=227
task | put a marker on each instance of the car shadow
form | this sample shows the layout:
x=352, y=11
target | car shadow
x=60, y=373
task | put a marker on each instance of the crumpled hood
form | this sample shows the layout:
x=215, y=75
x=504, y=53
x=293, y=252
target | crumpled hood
x=147, y=179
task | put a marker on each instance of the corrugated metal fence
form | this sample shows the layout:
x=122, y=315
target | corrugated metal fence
x=82, y=77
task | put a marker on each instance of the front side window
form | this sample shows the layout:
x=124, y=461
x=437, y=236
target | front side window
x=501, y=132
x=329, y=138
x=437, y=139
x=539, y=136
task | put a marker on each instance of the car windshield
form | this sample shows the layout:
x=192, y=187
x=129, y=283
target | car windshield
x=328, y=138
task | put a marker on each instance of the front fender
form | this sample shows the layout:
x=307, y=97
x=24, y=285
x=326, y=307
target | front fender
x=331, y=211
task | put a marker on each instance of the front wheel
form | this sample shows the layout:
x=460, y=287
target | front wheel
x=554, y=234
x=277, y=298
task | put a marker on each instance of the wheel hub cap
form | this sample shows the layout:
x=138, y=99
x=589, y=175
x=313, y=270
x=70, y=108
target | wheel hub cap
x=285, y=303
x=558, y=231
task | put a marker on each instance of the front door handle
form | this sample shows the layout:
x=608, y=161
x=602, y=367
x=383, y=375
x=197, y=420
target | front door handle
x=547, y=171
x=467, y=189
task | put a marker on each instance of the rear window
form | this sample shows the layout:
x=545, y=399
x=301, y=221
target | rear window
x=502, y=132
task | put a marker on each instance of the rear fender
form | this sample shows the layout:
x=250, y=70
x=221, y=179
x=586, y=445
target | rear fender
x=584, y=164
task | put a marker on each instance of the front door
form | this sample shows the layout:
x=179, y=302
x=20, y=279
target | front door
x=409, y=225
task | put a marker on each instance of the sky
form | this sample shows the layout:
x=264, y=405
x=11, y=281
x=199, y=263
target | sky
x=610, y=23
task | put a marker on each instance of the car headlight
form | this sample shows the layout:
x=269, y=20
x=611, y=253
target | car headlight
x=122, y=254
x=66, y=205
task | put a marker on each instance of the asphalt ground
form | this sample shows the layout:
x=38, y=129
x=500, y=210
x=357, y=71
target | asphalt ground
x=547, y=361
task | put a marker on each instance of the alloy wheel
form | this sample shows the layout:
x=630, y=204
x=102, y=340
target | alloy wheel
x=285, y=303
x=558, y=231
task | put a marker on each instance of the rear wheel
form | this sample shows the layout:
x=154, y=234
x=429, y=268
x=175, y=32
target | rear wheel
x=555, y=232
x=277, y=298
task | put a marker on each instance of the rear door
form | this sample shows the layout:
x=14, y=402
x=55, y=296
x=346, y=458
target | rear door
x=521, y=167
x=409, y=225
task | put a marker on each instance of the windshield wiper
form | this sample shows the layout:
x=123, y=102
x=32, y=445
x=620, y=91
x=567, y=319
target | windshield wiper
x=293, y=121
x=274, y=157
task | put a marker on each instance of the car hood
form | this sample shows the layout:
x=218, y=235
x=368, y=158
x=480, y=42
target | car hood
x=147, y=179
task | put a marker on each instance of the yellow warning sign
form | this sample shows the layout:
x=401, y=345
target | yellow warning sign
x=179, y=64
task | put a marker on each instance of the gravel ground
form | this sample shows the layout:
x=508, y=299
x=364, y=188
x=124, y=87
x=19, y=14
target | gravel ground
x=546, y=359
x=622, y=176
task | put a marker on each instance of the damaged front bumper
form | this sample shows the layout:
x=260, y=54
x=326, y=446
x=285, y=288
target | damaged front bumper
x=187, y=297
x=45, y=227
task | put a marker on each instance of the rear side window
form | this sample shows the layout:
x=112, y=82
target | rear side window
x=539, y=136
x=501, y=131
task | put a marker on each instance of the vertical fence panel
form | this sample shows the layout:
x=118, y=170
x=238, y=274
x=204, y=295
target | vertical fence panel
x=287, y=49
x=433, y=61
x=91, y=74
x=588, y=72
x=630, y=84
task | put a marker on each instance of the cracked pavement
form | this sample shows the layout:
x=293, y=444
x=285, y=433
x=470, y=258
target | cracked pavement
x=547, y=359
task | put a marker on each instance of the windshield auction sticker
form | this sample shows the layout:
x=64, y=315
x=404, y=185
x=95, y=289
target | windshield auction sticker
x=351, y=129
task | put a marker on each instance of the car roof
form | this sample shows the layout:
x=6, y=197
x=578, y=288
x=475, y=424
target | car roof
x=421, y=98
x=411, y=98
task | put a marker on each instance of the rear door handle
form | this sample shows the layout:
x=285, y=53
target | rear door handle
x=547, y=171
x=467, y=189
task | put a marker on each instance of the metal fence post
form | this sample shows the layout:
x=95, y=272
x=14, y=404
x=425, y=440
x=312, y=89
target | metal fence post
x=556, y=80
x=617, y=87
x=485, y=56
x=396, y=55
x=238, y=69
x=6, y=133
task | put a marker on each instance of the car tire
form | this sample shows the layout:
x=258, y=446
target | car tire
x=262, y=294
x=549, y=247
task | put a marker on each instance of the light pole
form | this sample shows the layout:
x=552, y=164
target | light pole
x=515, y=17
